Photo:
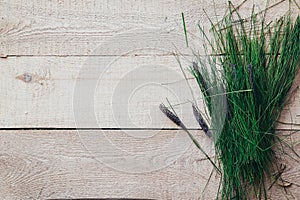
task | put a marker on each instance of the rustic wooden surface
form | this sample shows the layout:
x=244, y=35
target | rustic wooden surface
x=41, y=91
x=59, y=164
x=54, y=52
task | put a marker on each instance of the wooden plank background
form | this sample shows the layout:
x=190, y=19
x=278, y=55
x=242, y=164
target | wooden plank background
x=103, y=67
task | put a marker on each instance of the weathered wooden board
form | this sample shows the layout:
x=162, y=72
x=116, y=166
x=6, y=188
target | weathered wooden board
x=78, y=27
x=101, y=92
x=71, y=164
x=92, y=92
x=56, y=164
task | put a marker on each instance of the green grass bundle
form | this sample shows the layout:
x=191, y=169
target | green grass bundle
x=265, y=61
x=245, y=86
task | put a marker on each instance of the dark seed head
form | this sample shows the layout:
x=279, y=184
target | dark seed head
x=170, y=115
x=201, y=121
x=200, y=79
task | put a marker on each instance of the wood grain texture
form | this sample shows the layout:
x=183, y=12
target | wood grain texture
x=78, y=27
x=122, y=72
x=68, y=164
x=55, y=164
x=102, y=92
x=66, y=92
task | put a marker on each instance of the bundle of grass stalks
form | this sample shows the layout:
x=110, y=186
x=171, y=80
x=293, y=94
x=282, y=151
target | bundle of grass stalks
x=245, y=84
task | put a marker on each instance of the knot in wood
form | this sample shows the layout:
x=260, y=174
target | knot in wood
x=25, y=77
